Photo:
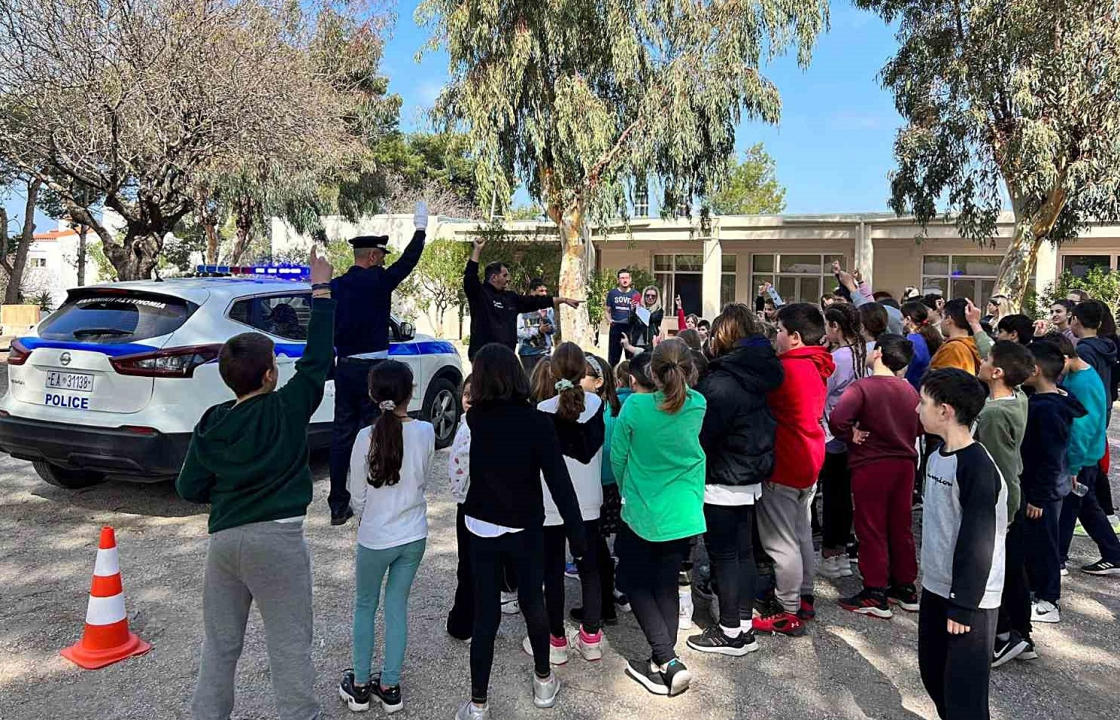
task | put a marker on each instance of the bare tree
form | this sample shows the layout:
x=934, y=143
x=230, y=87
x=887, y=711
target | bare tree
x=139, y=99
x=14, y=248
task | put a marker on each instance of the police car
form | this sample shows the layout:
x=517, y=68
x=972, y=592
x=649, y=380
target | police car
x=113, y=382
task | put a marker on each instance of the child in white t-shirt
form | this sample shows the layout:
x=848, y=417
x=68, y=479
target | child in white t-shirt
x=461, y=618
x=388, y=467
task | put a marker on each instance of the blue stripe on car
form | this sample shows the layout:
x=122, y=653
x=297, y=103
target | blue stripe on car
x=110, y=349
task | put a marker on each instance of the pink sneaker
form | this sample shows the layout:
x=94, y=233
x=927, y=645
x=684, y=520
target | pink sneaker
x=587, y=645
x=557, y=649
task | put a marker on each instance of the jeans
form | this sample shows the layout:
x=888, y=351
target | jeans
x=555, y=540
x=267, y=562
x=729, y=540
x=651, y=582
x=955, y=669
x=1043, y=560
x=836, y=510
x=353, y=410
x=1015, y=608
x=882, y=493
x=614, y=343
x=1087, y=509
x=401, y=563
x=525, y=549
x=783, y=528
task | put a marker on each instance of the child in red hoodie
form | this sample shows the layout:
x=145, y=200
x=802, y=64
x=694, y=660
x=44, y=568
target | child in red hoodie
x=783, y=512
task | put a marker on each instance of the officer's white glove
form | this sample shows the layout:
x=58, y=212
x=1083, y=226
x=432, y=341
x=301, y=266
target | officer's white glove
x=420, y=220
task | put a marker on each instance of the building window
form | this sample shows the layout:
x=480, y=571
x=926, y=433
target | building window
x=641, y=202
x=38, y=262
x=727, y=280
x=797, y=278
x=962, y=276
x=1080, y=265
x=680, y=275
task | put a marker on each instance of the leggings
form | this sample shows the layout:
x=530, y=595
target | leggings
x=651, y=582
x=836, y=487
x=524, y=549
x=400, y=563
x=461, y=617
x=729, y=540
x=1015, y=607
x=955, y=669
x=555, y=540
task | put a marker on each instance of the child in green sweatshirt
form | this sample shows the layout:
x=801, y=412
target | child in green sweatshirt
x=248, y=459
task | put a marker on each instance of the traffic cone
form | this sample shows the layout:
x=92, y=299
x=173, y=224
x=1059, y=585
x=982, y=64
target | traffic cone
x=106, y=638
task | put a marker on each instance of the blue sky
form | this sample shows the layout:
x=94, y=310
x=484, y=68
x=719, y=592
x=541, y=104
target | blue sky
x=833, y=146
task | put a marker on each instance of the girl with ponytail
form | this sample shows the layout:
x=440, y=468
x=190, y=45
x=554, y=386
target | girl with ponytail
x=388, y=466
x=660, y=469
x=577, y=415
x=924, y=335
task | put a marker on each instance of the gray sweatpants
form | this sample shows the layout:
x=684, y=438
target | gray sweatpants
x=267, y=562
x=787, y=535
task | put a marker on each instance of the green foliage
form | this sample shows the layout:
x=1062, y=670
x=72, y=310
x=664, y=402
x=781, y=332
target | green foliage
x=751, y=187
x=601, y=282
x=437, y=282
x=1100, y=283
x=105, y=269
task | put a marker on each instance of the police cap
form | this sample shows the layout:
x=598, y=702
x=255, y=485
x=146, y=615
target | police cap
x=375, y=242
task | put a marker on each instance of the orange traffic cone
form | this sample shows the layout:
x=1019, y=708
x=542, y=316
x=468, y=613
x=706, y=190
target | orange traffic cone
x=106, y=638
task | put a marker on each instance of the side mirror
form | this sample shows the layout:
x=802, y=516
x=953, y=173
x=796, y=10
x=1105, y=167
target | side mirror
x=407, y=331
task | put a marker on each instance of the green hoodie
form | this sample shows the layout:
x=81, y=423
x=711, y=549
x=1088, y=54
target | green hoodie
x=249, y=461
x=1000, y=429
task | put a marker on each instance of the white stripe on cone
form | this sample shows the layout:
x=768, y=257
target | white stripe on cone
x=106, y=563
x=105, y=610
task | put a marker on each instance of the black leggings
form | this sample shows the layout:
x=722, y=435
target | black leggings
x=524, y=549
x=651, y=582
x=1015, y=607
x=836, y=487
x=555, y=540
x=729, y=541
x=461, y=618
x=955, y=668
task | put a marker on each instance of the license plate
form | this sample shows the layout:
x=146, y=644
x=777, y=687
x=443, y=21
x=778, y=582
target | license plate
x=75, y=382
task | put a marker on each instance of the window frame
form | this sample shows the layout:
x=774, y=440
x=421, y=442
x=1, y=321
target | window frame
x=757, y=277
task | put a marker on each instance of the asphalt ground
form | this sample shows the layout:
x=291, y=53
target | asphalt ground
x=847, y=666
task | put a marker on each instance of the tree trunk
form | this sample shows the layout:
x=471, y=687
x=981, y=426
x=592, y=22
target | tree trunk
x=83, y=231
x=575, y=325
x=1018, y=265
x=27, y=236
x=246, y=211
x=136, y=256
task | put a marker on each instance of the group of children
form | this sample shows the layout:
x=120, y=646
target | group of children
x=727, y=443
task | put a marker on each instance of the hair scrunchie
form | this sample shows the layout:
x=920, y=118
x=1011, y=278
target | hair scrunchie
x=387, y=406
x=563, y=384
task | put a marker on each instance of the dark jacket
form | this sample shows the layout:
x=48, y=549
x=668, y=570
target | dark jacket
x=364, y=295
x=1100, y=352
x=641, y=335
x=738, y=430
x=249, y=461
x=1049, y=418
x=512, y=446
x=494, y=312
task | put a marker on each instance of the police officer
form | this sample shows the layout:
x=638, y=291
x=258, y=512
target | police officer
x=494, y=308
x=361, y=340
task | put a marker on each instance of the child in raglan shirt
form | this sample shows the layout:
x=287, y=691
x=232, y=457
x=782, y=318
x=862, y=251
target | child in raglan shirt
x=963, y=529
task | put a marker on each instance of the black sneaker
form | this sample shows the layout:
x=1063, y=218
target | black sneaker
x=715, y=640
x=621, y=601
x=676, y=676
x=807, y=609
x=868, y=602
x=1101, y=567
x=355, y=696
x=648, y=675
x=390, y=698
x=342, y=517
x=1009, y=649
x=576, y=614
x=1029, y=653
x=905, y=596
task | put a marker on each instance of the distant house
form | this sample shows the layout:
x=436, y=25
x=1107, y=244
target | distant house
x=52, y=264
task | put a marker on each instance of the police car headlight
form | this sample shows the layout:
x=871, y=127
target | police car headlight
x=171, y=362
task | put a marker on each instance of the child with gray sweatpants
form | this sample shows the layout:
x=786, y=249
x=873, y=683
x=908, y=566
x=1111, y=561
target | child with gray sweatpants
x=248, y=459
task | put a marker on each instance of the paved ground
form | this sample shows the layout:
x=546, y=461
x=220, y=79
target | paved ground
x=846, y=667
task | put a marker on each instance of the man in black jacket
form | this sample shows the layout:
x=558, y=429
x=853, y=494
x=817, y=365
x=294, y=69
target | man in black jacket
x=494, y=308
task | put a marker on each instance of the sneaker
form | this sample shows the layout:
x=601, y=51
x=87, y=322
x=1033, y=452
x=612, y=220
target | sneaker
x=509, y=603
x=868, y=602
x=355, y=696
x=1062, y=570
x=557, y=649
x=706, y=590
x=684, y=618
x=1029, y=653
x=545, y=690
x=621, y=601
x=837, y=566
x=715, y=640
x=342, y=517
x=1101, y=567
x=676, y=676
x=390, y=697
x=648, y=675
x=1044, y=611
x=905, y=596
x=1009, y=649
x=571, y=570
x=470, y=711
x=808, y=610
x=576, y=614
x=590, y=647
x=775, y=620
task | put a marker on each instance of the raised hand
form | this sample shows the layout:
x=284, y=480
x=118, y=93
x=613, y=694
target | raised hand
x=420, y=219
x=972, y=315
x=677, y=299
x=321, y=269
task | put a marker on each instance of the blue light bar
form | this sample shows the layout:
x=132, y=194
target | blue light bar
x=283, y=272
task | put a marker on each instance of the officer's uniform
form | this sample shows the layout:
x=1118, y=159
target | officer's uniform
x=361, y=340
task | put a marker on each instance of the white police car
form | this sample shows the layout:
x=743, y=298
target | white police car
x=113, y=382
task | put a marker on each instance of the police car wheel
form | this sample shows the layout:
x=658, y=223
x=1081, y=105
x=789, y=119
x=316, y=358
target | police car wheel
x=65, y=477
x=441, y=409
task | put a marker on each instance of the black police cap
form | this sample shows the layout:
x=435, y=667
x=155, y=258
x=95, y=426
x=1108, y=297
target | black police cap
x=376, y=242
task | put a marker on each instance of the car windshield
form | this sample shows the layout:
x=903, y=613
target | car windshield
x=100, y=316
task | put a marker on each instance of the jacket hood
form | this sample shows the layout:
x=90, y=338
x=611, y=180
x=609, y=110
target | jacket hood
x=1101, y=346
x=752, y=363
x=819, y=356
x=1062, y=402
x=230, y=434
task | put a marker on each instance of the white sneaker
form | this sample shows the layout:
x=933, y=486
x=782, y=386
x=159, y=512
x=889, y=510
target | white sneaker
x=509, y=603
x=684, y=618
x=1064, y=571
x=546, y=690
x=837, y=566
x=1044, y=611
x=590, y=647
x=470, y=711
x=557, y=654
